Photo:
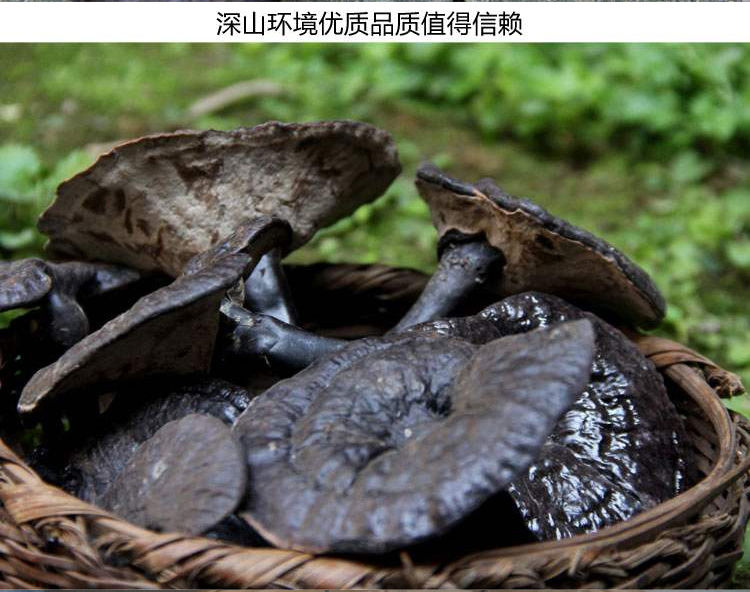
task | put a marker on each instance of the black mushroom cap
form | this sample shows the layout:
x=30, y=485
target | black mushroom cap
x=87, y=459
x=391, y=441
x=27, y=282
x=187, y=477
x=543, y=252
x=622, y=446
x=168, y=332
x=155, y=202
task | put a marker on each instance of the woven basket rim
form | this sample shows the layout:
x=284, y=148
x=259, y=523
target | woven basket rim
x=27, y=499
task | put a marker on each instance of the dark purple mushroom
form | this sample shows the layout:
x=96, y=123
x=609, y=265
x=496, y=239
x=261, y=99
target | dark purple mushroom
x=265, y=290
x=156, y=202
x=58, y=289
x=620, y=449
x=246, y=336
x=87, y=459
x=481, y=226
x=187, y=477
x=392, y=441
x=168, y=332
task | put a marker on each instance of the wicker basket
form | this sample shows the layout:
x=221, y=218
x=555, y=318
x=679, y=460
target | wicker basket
x=51, y=539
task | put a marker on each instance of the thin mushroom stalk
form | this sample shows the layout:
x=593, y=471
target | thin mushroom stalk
x=68, y=323
x=67, y=320
x=464, y=266
x=57, y=289
x=267, y=290
x=251, y=335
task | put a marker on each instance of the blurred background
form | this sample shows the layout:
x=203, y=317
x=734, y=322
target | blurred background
x=645, y=145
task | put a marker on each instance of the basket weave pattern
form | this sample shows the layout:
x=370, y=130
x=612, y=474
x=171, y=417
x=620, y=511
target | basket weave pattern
x=49, y=538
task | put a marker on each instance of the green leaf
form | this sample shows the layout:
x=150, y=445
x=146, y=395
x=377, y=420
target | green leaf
x=20, y=168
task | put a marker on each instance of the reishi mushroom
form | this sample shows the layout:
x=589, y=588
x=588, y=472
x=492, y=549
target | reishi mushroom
x=620, y=449
x=539, y=252
x=155, y=202
x=187, y=477
x=58, y=289
x=168, y=332
x=391, y=441
x=86, y=461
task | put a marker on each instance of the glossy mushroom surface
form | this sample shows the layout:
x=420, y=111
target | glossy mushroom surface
x=392, y=441
x=156, y=202
x=540, y=252
x=619, y=450
x=265, y=290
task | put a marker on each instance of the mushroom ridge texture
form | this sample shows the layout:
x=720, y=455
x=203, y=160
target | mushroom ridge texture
x=391, y=441
x=542, y=252
x=619, y=450
x=155, y=202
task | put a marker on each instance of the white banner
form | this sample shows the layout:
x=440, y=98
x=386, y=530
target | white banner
x=356, y=22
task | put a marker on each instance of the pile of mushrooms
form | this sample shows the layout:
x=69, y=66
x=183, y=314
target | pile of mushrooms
x=176, y=387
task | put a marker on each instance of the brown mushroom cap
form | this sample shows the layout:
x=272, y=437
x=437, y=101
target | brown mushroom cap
x=155, y=202
x=255, y=238
x=187, y=477
x=168, y=332
x=543, y=252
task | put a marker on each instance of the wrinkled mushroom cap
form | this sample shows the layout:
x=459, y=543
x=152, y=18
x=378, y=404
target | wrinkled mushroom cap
x=621, y=447
x=543, y=252
x=391, y=441
x=155, y=202
x=168, y=332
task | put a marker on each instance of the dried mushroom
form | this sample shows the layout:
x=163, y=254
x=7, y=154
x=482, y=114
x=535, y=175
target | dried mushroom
x=391, y=441
x=187, y=477
x=59, y=288
x=156, y=202
x=620, y=449
x=168, y=332
x=539, y=252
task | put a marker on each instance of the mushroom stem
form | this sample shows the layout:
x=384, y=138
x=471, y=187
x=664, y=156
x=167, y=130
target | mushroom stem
x=267, y=290
x=254, y=335
x=463, y=267
x=68, y=323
